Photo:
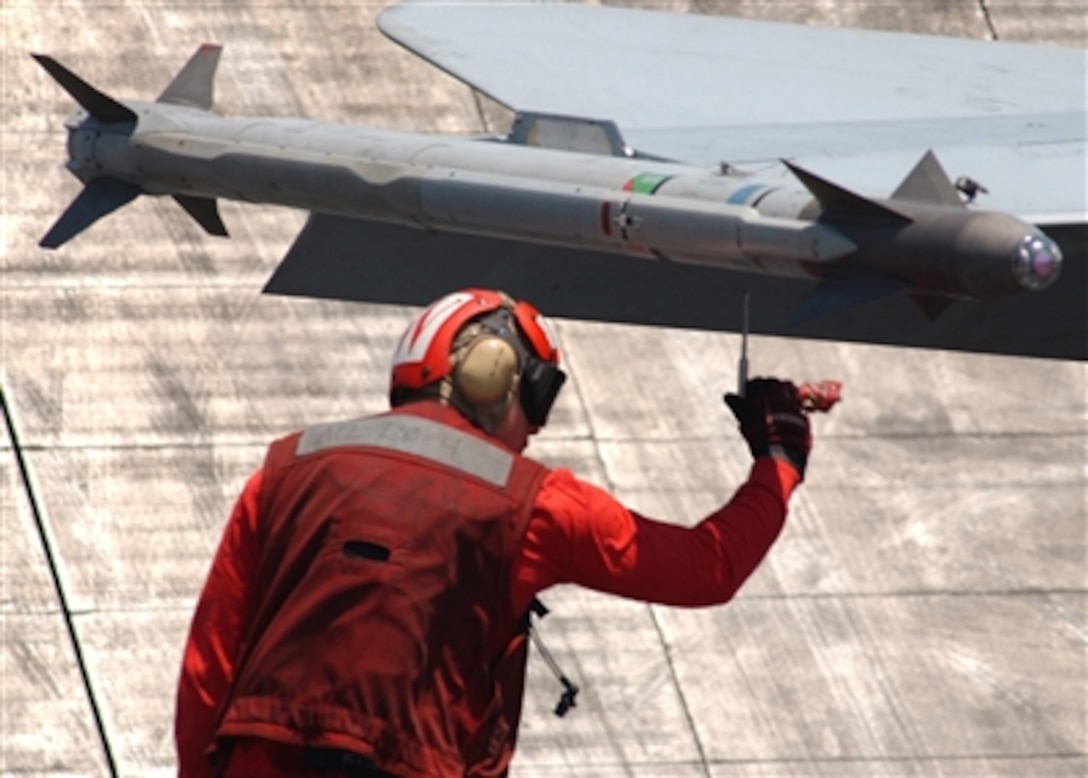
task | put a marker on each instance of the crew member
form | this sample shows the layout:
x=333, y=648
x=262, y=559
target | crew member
x=367, y=609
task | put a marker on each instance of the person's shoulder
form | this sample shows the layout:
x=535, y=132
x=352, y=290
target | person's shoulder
x=562, y=484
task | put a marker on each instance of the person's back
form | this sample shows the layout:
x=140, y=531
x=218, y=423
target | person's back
x=367, y=609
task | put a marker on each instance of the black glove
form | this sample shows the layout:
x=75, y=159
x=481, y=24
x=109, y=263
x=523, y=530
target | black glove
x=772, y=422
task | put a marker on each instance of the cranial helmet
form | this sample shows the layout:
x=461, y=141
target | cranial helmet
x=479, y=349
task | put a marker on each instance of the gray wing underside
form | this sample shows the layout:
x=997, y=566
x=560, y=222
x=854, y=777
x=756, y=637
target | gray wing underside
x=346, y=259
x=856, y=106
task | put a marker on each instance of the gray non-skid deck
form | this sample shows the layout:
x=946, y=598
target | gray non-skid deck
x=924, y=612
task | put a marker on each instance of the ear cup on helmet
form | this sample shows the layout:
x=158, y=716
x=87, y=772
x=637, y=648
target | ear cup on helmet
x=485, y=370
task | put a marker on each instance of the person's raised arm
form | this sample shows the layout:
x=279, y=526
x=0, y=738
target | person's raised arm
x=580, y=534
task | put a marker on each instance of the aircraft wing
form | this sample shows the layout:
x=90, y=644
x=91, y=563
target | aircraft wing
x=738, y=156
x=856, y=106
x=340, y=258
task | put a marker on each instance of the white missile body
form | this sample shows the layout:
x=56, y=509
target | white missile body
x=482, y=187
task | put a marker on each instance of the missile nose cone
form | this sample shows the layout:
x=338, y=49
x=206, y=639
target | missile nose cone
x=1001, y=255
x=1036, y=262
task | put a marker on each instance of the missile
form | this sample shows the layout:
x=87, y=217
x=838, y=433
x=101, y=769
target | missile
x=923, y=239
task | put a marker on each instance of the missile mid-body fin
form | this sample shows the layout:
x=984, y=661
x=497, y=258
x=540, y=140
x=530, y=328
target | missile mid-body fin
x=930, y=305
x=838, y=204
x=926, y=189
x=839, y=294
x=928, y=183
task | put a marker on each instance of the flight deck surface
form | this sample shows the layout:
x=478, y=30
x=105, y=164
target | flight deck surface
x=923, y=613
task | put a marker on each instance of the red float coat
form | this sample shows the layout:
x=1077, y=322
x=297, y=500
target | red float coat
x=575, y=532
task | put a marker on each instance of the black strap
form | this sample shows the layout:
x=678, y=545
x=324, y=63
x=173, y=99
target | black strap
x=339, y=762
x=570, y=689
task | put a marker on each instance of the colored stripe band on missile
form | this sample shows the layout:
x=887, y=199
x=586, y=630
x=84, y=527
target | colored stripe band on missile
x=645, y=183
x=745, y=193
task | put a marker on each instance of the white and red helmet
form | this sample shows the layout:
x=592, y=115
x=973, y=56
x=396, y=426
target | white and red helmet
x=422, y=356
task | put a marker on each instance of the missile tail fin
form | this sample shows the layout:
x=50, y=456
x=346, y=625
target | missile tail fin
x=194, y=85
x=839, y=204
x=928, y=183
x=99, y=105
x=99, y=198
x=205, y=211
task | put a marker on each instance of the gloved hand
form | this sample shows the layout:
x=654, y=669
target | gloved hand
x=772, y=421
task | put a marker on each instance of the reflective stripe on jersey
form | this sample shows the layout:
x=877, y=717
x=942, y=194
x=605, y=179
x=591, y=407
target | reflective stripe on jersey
x=419, y=437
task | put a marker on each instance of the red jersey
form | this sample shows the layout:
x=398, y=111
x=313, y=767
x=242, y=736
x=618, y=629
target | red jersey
x=576, y=533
